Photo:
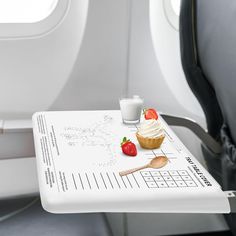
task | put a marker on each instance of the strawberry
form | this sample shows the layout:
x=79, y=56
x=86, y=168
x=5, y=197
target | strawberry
x=128, y=148
x=150, y=114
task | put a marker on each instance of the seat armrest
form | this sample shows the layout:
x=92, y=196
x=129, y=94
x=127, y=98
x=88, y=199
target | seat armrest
x=232, y=200
x=16, y=139
x=1, y=126
x=201, y=133
x=15, y=126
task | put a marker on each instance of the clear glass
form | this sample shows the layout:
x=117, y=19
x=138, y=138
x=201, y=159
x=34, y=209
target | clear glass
x=131, y=109
x=25, y=11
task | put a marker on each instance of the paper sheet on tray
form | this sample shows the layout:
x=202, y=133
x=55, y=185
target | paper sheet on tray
x=79, y=159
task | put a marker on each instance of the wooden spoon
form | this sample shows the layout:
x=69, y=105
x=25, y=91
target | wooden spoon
x=156, y=163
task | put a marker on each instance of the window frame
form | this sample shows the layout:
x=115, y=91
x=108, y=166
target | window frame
x=35, y=29
x=23, y=13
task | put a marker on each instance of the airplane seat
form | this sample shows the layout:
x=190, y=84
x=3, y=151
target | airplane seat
x=207, y=40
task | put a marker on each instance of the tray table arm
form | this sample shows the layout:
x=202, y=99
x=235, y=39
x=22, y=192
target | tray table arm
x=207, y=140
x=201, y=133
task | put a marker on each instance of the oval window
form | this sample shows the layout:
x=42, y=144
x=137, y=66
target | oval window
x=25, y=11
x=176, y=6
x=172, y=11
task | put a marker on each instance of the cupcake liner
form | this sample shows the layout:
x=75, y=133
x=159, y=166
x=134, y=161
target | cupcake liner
x=150, y=143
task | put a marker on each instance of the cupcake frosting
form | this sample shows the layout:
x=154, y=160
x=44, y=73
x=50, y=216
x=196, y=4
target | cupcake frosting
x=151, y=128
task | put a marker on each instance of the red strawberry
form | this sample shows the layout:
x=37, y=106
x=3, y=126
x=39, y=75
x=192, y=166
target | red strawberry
x=128, y=147
x=150, y=114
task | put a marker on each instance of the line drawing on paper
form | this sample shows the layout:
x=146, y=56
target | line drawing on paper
x=98, y=134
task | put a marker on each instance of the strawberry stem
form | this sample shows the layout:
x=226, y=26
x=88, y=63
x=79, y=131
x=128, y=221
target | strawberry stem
x=124, y=140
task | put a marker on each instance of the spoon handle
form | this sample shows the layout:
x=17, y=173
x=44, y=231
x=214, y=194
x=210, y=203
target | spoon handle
x=127, y=172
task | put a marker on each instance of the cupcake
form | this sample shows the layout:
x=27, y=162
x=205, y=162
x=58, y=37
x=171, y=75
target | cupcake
x=150, y=134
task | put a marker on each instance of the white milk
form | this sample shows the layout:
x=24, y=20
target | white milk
x=131, y=109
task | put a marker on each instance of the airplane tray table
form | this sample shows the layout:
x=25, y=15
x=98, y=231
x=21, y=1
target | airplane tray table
x=79, y=159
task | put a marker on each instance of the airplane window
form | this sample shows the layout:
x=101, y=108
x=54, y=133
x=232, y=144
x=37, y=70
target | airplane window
x=172, y=10
x=25, y=11
x=176, y=6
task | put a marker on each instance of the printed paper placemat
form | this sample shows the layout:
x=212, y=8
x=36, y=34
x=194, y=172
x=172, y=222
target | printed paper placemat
x=79, y=159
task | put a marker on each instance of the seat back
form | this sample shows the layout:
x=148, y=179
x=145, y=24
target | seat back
x=216, y=42
x=208, y=53
x=208, y=42
x=195, y=76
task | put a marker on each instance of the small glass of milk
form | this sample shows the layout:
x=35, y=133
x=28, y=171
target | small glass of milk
x=131, y=109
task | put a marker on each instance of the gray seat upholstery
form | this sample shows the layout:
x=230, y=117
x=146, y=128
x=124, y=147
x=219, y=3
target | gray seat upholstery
x=35, y=221
x=208, y=53
x=216, y=41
